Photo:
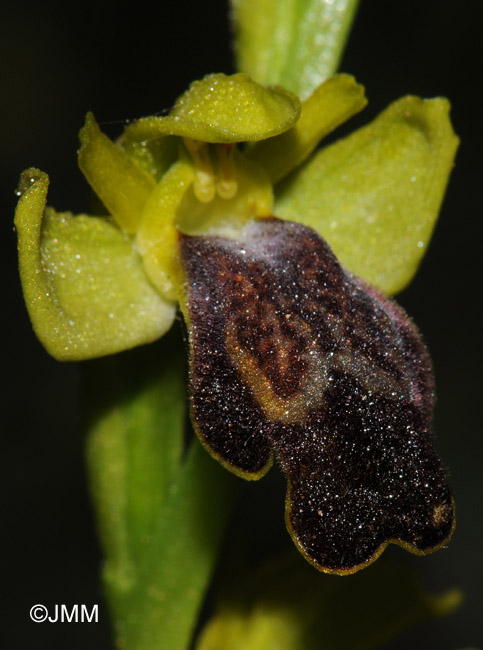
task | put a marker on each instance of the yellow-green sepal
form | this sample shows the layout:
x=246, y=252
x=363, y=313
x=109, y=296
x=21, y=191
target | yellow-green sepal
x=331, y=104
x=221, y=108
x=85, y=287
x=119, y=181
x=375, y=195
x=294, y=43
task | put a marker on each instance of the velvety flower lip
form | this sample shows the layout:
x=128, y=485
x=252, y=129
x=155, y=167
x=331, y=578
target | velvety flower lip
x=290, y=354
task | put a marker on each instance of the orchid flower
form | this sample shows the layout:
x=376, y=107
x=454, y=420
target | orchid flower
x=280, y=254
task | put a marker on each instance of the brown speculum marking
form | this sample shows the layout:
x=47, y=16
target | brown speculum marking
x=292, y=354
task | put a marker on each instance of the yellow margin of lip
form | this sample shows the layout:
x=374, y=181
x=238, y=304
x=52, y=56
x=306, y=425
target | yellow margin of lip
x=345, y=572
x=248, y=476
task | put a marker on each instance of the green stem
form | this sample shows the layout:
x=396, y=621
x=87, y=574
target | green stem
x=161, y=509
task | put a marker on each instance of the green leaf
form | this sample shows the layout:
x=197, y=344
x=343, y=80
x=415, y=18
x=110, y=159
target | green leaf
x=84, y=285
x=121, y=183
x=375, y=195
x=331, y=104
x=288, y=606
x=161, y=513
x=221, y=108
x=294, y=43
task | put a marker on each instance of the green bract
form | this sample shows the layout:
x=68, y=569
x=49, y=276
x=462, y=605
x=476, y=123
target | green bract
x=98, y=285
x=295, y=43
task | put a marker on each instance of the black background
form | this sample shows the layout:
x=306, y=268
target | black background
x=123, y=61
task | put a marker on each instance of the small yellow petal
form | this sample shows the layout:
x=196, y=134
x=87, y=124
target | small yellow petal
x=331, y=104
x=121, y=183
x=157, y=238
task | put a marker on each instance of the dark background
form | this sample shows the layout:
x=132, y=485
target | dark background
x=123, y=61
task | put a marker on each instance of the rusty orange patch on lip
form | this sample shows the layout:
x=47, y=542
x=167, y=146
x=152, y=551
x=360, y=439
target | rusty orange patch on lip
x=286, y=379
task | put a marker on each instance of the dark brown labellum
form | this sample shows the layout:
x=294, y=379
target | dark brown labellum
x=289, y=353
